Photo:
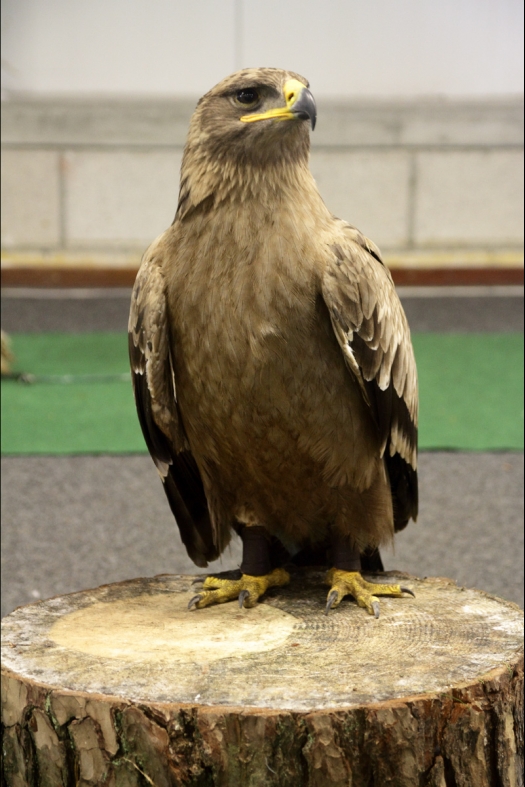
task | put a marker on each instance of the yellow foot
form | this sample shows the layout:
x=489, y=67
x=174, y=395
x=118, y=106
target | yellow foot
x=247, y=589
x=343, y=583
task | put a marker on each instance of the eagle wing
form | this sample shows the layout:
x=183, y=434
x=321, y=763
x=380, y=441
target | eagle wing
x=155, y=397
x=373, y=333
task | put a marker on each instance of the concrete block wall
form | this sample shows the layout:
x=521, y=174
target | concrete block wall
x=98, y=179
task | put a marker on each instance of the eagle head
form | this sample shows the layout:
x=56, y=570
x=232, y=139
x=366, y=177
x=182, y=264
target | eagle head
x=254, y=121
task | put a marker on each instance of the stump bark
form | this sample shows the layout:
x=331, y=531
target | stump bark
x=121, y=686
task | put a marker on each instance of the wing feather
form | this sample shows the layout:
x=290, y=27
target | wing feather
x=155, y=397
x=372, y=330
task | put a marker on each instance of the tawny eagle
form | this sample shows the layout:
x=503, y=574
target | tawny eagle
x=272, y=365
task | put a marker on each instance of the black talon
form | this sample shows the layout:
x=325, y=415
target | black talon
x=242, y=595
x=331, y=598
x=406, y=590
x=197, y=580
x=195, y=600
x=375, y=607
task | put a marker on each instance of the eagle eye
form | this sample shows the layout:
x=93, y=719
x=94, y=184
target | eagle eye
x=247, y=97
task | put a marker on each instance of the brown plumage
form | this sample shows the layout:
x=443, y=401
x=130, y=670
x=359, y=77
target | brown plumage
x=7, y=355
x=273, y=370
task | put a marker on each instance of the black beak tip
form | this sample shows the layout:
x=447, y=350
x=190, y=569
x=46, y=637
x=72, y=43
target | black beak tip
x=305, y=107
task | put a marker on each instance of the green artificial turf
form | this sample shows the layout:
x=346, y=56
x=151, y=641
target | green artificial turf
x=471, y=394
x=86, y=416
x=471, y=390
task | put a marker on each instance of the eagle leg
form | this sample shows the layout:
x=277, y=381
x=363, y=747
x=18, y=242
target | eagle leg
x=345, y=579
x=257, y=574
x=247, y=589
x=343, y=583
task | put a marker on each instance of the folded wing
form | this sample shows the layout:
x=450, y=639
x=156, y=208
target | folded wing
x=372, y=331
x=155, y=397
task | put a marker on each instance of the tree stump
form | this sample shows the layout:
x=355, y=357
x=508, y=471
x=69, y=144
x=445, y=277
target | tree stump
x=123, y=686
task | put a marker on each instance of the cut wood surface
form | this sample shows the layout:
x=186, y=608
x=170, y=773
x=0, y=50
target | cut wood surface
x=122, y=685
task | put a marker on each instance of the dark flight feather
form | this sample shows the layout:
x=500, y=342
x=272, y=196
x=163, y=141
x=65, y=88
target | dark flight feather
x=156, y=404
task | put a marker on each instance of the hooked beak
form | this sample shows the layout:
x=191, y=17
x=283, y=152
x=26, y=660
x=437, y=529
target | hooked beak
x=300, y=104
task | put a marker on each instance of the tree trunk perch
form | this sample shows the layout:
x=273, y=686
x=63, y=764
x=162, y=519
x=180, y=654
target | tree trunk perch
x=121, y=686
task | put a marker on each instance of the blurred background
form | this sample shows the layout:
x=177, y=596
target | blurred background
x=419, y=139
x=419, y=143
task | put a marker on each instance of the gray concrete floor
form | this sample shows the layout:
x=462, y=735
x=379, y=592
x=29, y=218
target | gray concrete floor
x=107, y=310
x=80, y=521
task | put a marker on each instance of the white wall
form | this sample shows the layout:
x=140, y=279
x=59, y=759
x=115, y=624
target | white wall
x=344, y=47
